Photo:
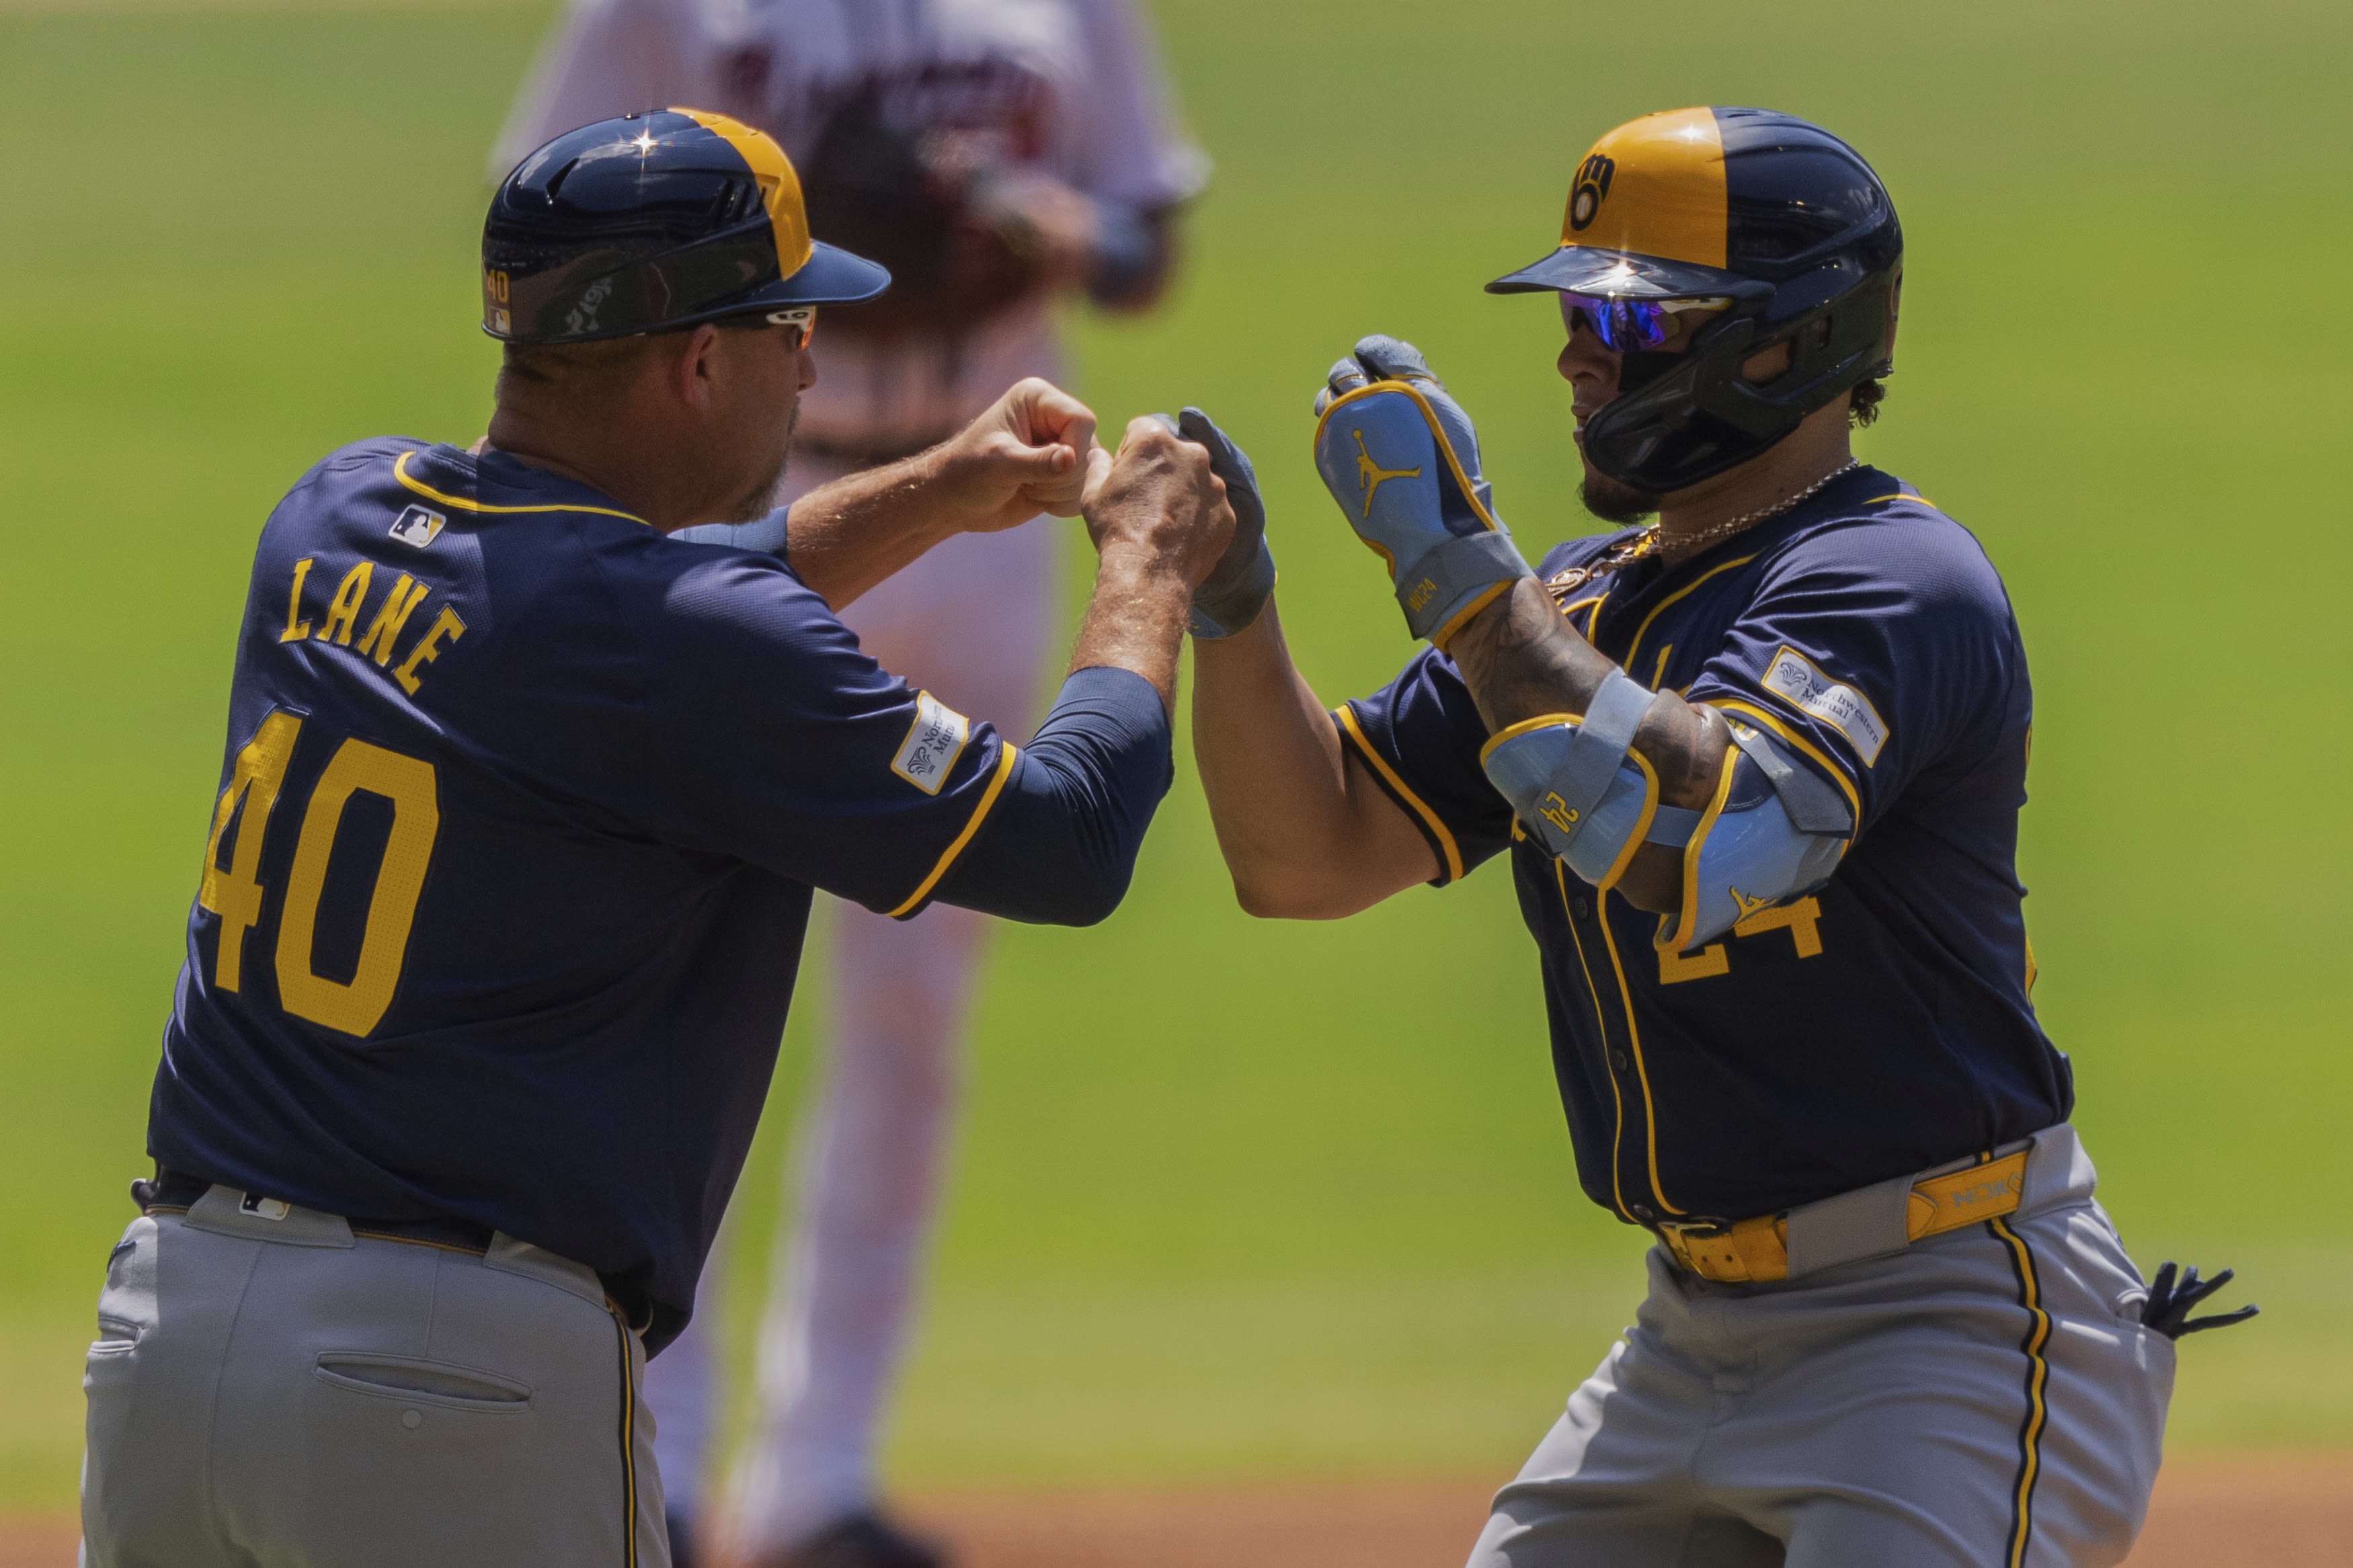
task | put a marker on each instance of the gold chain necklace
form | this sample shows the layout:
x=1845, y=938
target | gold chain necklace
x=1648, y=543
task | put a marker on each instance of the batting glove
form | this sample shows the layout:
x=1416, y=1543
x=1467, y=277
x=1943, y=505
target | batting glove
x=1400, y=457
x=2168, y=1308
x=1230, y=597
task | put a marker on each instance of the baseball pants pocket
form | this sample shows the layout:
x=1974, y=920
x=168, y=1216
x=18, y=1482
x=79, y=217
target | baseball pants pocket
x=462, y=1416
x=125, y=1310
x=148, y=1383
x=365, y=1404
x=414, y=1380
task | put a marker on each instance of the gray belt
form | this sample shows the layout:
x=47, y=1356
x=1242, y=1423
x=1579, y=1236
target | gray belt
x=2036, y=1174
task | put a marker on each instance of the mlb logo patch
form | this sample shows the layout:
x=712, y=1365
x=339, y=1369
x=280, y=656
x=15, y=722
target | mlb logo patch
x=417, y=527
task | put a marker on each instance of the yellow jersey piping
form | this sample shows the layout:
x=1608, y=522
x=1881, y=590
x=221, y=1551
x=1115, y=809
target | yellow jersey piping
x=1659, y=608
x=1347, y=718
x=400, y=472
x=1005, y=761
x=1618, y=1137
x=1641, y=1069
x=1593, y=622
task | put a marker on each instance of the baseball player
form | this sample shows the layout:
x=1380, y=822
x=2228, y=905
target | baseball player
x=1758, y=764
x=998, y=157
x=521, y=813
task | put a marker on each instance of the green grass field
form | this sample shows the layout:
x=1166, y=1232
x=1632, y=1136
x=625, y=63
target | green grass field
x=1230, y=1199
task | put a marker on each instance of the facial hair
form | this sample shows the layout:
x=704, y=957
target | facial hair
x=760, y=500
x=1610, y=501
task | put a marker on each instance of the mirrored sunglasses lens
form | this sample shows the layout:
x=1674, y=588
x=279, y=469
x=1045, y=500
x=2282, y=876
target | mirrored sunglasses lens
x=1626, y=324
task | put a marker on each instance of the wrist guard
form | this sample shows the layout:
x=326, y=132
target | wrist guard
x=1578, y=786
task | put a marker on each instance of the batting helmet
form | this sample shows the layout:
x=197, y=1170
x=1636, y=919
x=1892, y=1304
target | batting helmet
x=650, y=222
x=1774, y=214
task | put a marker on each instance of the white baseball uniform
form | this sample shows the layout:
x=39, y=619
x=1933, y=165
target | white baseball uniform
x=1066, y=87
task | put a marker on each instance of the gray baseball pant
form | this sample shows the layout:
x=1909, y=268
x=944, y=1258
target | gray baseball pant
x=1985, y=1398
x=270, y=1391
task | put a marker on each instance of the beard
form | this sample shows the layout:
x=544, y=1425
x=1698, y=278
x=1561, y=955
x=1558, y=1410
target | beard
x=1610, y=501
x=760, y=500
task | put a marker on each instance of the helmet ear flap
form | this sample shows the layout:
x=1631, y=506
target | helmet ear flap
x=1846, y=339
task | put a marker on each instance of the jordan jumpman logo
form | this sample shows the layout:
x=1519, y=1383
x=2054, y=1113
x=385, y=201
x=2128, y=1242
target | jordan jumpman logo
x=1369, y=474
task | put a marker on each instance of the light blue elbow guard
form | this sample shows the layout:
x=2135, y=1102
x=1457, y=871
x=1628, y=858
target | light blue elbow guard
x=1777, y=832
x=1579, y=788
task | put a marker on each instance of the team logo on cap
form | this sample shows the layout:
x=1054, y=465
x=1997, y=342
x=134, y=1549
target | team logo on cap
x=1592, y=184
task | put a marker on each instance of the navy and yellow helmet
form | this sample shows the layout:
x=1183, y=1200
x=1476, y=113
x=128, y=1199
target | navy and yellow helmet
x=1764, y=210
x=652, y=221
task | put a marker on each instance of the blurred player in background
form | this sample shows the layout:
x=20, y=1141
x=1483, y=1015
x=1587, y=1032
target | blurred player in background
x=998, y=157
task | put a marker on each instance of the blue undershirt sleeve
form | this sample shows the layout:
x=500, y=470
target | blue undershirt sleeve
x=1059, y=845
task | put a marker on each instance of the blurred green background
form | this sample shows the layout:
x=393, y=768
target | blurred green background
x=1230, y=1200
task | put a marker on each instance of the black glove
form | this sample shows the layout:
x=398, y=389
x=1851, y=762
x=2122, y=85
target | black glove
x=1230, y=597
x=2168, y=1308
x=905, y=200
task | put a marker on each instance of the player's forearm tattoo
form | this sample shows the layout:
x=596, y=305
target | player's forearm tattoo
x=1522, y=660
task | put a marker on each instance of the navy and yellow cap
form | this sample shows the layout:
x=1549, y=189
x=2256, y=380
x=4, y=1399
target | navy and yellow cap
x=1693, y=203
x=652, y=221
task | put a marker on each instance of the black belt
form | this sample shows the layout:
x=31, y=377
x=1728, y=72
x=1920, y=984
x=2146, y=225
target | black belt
x=172, y=1190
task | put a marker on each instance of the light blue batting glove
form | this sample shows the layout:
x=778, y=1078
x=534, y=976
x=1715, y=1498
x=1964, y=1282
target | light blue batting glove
x=1401, y=458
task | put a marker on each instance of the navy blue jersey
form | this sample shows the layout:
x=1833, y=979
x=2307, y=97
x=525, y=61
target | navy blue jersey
x=1867, y=1030
x=521, y=807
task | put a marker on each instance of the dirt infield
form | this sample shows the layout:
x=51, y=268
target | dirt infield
x=2272, y=1512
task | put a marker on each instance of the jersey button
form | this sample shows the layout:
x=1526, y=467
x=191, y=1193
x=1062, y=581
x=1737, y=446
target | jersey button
x=1618, y=1059
x=1584, y=910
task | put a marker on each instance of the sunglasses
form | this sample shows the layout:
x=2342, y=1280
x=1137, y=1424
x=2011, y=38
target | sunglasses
x=1624, y=325
x=801, y=316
